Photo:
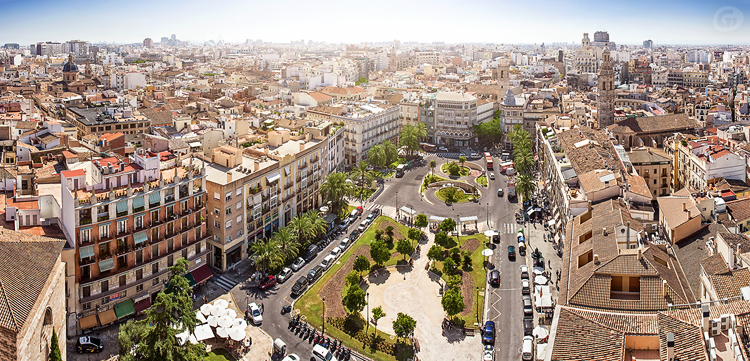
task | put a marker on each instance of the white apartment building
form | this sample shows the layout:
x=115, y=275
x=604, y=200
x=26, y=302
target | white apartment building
x=485, y=111
x=427, y=57
x=701, y=161
x=455, y=113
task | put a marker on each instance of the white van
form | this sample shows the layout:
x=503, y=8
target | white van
x=321, y=353
x=527, y=350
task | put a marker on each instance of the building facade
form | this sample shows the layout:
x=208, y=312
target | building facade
x=606, y=98
x=455, y=113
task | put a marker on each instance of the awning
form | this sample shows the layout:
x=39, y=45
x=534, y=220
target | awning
x=287, y=170
x=154, y=197
x=88, y=322
x=557, y=237
x=122, y=206
x=107, y=317
x=408, y=210
x=551, y=222
x=140, y=237
x=437, y=219
x=87, y=251
x=191, y=280
x=140, y=297
x=142, y=305
x=201, y=274
x=468, y=219
x=138, y=202
x=106, y=265
x=124, y=309
x=273, y=177
x=195, y=144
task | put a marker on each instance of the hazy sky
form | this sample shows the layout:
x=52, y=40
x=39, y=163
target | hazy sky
x=355, y=21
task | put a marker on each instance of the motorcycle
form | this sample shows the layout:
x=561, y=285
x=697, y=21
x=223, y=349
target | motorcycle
x=286, y=309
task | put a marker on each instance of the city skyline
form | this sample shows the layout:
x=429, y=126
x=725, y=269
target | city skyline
x=666, y=23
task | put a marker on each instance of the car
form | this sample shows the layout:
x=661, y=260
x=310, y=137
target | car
x=359, y=210
x=89, y=344
x=511, y=253
x=522, y=249
x=492, y=176
x=253, y=311
x=328, y=261
x=500, y=192
x=528, y=325
x=494, y=277
x=267, y=282
x=315, y=273
x=336, y=252
x=527, y=348
x=376, y=212
x=444, y=149
x=284, y=275
x=475, y=155
x=300, y=286
x=524, y=272
x=370, y=218
x=311, y=253
x=320, y=353
x=344, y=243
x=291, y=357
x=496, y=238
x=298, y=263
x=362, y=226
x=354, y=234
x=344, y=224
x=489, y=353
x=488, y=333
x=525, y=289
x=528, y=310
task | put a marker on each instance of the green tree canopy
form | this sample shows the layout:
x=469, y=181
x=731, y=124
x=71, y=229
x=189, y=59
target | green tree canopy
x=490, y=132
x=391, y=152
x=420, y=221
x=404, y=325
x=454, y=169
x=288, y=245
x=404, y=247
x=361, y=81
x=435, y=253
x=363, y=176
x=453, y=301
x=354, y=301
x=376, y=156
x=54, y=348
x=462, y=160
x=379, y=252
x=361, y=264
x=377, y=313
x=433, y=164
x=447, y=225
x=453, y=281
x=525, y=185
x=352, y=278
x=268, y=254
x=415, y=234
x=408, y=138
x=334, y=190
x=449, y=266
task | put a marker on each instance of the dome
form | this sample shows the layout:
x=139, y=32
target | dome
x=70, y=66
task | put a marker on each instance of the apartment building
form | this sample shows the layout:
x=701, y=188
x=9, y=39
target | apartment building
x=426, y=57
x=702, y=160
x=655, y=167
x=107, y=120
x=130, y=221
x=513, y=110
x=455, y=114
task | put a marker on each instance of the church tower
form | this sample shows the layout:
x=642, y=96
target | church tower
x=503, y=79
x=70, y=71
x=585, y=42
x=606, y=86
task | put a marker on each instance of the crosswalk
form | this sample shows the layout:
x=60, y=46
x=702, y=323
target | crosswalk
x=450, y=155
x=508, y=228
x=225, y=283
x=372, y=206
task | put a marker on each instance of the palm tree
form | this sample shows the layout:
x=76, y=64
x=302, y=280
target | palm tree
x=363, y=176
x=462, y=160
x=421, y=130
x=376, y=156
x=391, y=152
x=335, y=189
x=525, y=185
x=433, y=164
x=298, y=226
x=524, y=160
x=268, y=255
x=408, y=138
x=288, y=244
x=316, y=225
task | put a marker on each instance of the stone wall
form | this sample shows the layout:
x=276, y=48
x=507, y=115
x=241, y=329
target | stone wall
x=466, y=187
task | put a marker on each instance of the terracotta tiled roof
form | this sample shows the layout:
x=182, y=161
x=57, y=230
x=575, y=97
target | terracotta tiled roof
x=676, y=215
x=688, y=338
x=734, y=239
x=663, y=123
x=715, y=264
x=729, y=284
x=578, y=338
x=692, y=250
x=319, y=97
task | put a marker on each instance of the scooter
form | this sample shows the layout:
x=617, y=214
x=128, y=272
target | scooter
x=286, y=309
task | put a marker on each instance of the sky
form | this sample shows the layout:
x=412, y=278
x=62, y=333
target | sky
x=689, y=22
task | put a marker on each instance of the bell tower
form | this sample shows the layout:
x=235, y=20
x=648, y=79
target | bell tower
x=606, y=87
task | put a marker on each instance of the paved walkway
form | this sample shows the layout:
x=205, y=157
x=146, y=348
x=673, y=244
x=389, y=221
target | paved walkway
x=262, y=345
x=415, y=292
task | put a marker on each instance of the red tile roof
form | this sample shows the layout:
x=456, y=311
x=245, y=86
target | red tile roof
x=73, y=173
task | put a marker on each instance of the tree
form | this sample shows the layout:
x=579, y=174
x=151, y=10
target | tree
x=377, y=313
x=172, y=307
x=268, y=254
x=352, y=278
x=316, y=225
x=298, y=226
x=376, y=156
x=462, y=160
x=435, y=253
x=379, y=234
x=360, y=81
x=389, y=230
x=525, y=185
x=453, y=302
x=363, y=176
x=490, y=133
x=355, y=300
x=524, y=160
x=415, y=234
x=449, y=266
x=433, y=164
x=454, y=169
x=130, y=335
x=442, y=239
x=334, y=190
x=421, y=220
x=391, y=152
x=404, y=247
x=361, y=264
x=408, y=138
x=379, y=252
x=54, y=347
x=287, y=243
x=447, y=225
x=454, y=281
x=451, y=194
x=404, y=325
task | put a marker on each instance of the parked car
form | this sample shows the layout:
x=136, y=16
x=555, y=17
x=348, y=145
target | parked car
x=527, y=349
x=524, y=272
x=291, y=357
x=344, y=224
x=376, y=212
x=354, y=214
x=525, y=289
x=370, y=218
x=492, y=176
x=475, y=155
x=511, y=253
x=488, y=334
x=527, y=308
x=315, y=273
x=298, y=263
x=300, y=286
x=496, y=238
x=336, y=252
x=354, y=234
x=253, y=311
x=489, y=353
x=528, y=325
x=89, y=344
x=284, y=275
x=500, y=192
x=494, y=277
x=444, y=149
x=359, y=210
x=327, y=262
x=311, y=253
x=320, y=353
x=522, y=249
x=362, y=226
x=267, y=282
x=344, y=243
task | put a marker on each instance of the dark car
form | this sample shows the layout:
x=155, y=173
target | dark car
x=522, y=251
x=528, y=325
x=496, y=238
x=311, y=253
x=495, y=277
x=267, y=282
x=488, y=334
x=315, y=273
x=500, y=192
x=512, y=253
x=300, y=286
x=354, y=234
x=376, y=212
x=89, y=344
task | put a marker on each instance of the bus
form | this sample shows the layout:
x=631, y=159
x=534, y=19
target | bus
x=488, y=159
x=400, y=170
x=427, y=147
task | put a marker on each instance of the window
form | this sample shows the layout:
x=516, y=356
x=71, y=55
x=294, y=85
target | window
x=239, y=233
x=105, y=300
x=85, y=235
x=123, y=280
x=155, y=216
x=228, y=211
x=216, y=211
x=155, y=268
x=585, y=258
x=170, y=260
x=103, y=230
x=661, y=261
x=217, y=196
x=123, y=294
x=198, y=248
x=217, y=224
x=185, y=253
x=584, y=237
x=228, y=239
x=139, y=222
x=122, y=226
x=139, y=288
x=105, y=285
x=156, y=281
x=229, y=224
x=228, y=196
x=238, y=220
x=86, y=306
x=239, y=192
x=239, y=206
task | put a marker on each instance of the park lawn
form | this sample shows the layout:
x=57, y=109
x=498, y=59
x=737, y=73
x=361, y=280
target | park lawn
x=219, y=354
x=462, y=196
x=463, y=172
x=482, y=180
x=385, y=174
x=434, y=178
x=311, y=306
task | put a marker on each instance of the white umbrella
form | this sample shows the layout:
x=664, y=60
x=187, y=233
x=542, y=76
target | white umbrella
x=231, y=313
x=540, y=332
x=212, y=321
x=239, y=323
x=487, y=252
x=192, y=339
x=200, y=317
x=538, y=270
x=226, y=321
x=203, y=332
x=206, y=309
x=218, y=311
x=540, y=280
x=183, y=336
x=221, y=303
x=222, y=332
x=490, y=233
x=237, y=334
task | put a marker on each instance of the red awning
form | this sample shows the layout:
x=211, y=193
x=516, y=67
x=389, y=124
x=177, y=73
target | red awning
x=142, y=305
x=201, y=274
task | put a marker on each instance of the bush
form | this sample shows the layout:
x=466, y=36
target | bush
x=345, y=325
x=449, y=266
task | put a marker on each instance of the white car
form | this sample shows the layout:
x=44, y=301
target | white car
x=298, y=263
x=321, y=353
x=336, y=252
x=343, y=244
x=291, y=357
x=489, y=353
x=443, y=149
x=283, y=275
x=254, y=312
x=492, y=176
x=328, y=261
x=524, y=272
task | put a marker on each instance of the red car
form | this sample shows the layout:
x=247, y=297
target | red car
x=360, y=210
x=267, y=282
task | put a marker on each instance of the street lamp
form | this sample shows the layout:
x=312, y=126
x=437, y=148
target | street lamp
x=488, y=214
x=324, y=316
x=397, y=207
x=368, y=312
x=477, y=298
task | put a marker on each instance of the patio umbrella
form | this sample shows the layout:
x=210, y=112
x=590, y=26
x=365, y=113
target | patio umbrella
x=200, y=317
x=182, y=336
x=538, y=270
x=490, y=233
x=221, y=303
x=222, y=332
x=203, y=332
x=487, y=252
x=237, y=334
x=239, y=323
x=231, y=313
x=540, y=280
x=206, y=309
x=540, y=332
x=212, y=321
x=192, y=339
x=218, y=311
x=225, y=321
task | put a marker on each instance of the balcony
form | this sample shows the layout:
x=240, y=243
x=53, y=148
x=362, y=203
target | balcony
x=122, y=214
x=301, y=167
x=86, y=261
x=85, y=220
x=86, y=242
x=291, y=196
x=139, y=209
x=255, y=190
x=102, y=217
x=124, y=249
x=168, y=198
x=314, y=160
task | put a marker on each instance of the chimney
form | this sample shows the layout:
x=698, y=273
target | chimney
x=256, y=165
x=640, y=253
x=670, y=346
x=684, y=206
x=229, y=177
x=596, y=258
x=664, y=287
x=627, y=234
x=301, y=146
x=706, y=315
x=604, y=231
